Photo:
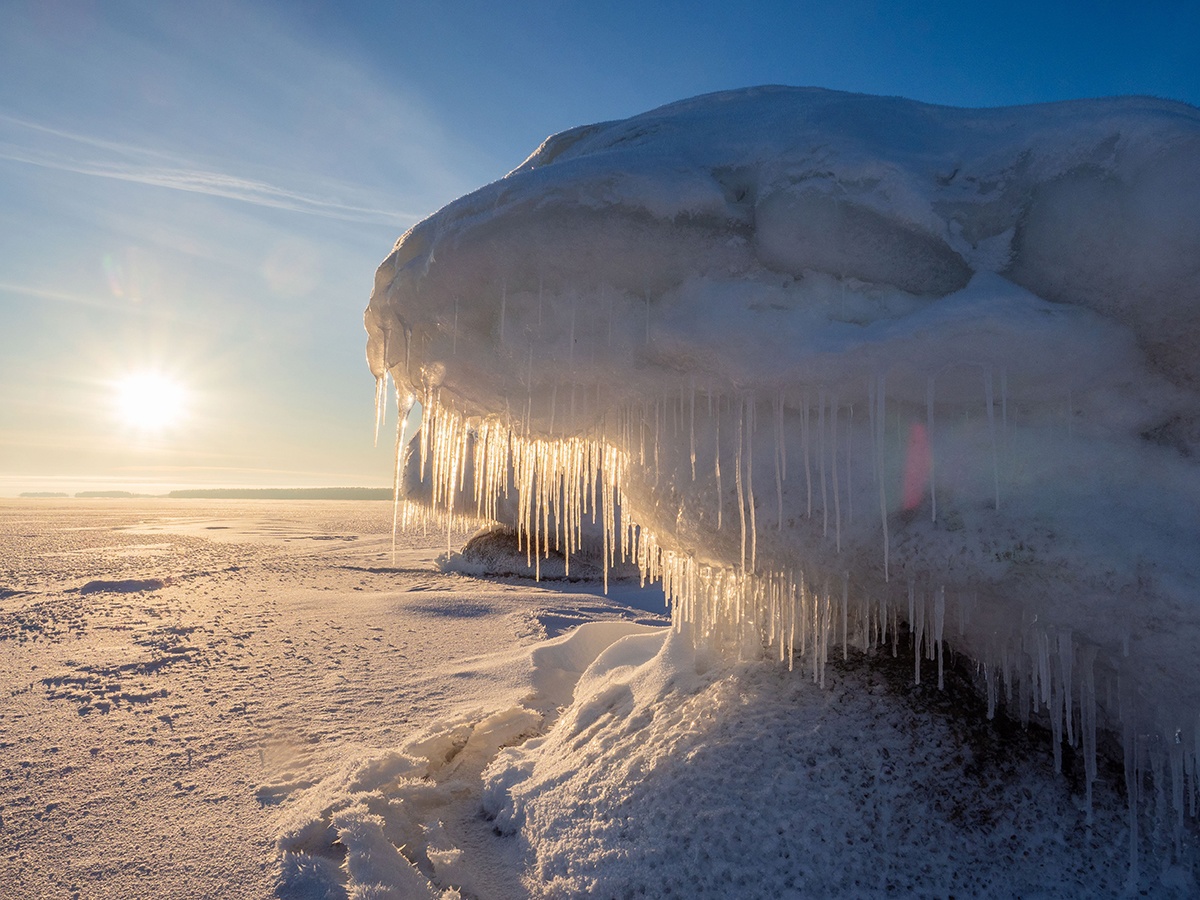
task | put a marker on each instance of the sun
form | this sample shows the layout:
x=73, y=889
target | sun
x=149, y=401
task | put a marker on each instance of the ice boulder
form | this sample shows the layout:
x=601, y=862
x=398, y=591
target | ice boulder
x=852, y=369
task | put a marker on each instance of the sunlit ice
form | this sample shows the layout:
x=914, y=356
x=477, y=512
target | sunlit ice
x=149, y=401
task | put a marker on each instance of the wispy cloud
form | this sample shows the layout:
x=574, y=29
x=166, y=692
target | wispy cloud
x=34, y=144
x=97, y=300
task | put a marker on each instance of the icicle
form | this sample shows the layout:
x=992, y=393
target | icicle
x=403, y=407
x=1066, y=653
x=849, y=466
x=879, y=418
x=657, y=438
x=779, y=462
x=821, y=463
x=642, y=436
x=932, y=453
x=750, y=427
x=1006, y=670
x=737, y=476
x=1129, y=740
x=1055, y=709
x=692, y=426
x=991, y=415
x=989, y=677
x=837, y=492
x=825, y=629
x=407, y=355
x=872, y=412
x=429, y=412
x=845, y=614
x=916, y=621
x=1087, y=720
x=380, y=404
x=793, y=599
x=717, y=463
x=782, y=439
x=939, y=622
x=804, y=437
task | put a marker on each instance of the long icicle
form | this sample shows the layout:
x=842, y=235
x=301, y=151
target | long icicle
x=737, y=477
x=991, y=417
x=833, y=454
x=880, y=414
x=932, y=453
x=750, y=426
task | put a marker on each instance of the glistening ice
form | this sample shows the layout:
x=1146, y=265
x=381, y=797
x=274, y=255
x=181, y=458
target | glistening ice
x=836, y=368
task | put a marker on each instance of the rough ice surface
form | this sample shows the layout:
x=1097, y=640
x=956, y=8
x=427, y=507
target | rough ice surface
x=834, y=367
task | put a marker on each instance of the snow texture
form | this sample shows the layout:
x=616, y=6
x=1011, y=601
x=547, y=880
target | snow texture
x=669, y=779
x=825, y=364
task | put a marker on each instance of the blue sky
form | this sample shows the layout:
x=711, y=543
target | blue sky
x=206, y=189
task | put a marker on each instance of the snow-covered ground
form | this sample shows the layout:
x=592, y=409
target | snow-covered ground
x=248, y=699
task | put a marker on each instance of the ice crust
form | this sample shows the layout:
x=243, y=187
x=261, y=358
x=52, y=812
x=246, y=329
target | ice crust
x=842, y=363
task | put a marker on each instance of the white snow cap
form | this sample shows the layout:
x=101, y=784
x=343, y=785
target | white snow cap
x=848, y=361
x=805, y=218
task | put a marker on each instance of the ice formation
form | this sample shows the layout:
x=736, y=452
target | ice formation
x=839, y=369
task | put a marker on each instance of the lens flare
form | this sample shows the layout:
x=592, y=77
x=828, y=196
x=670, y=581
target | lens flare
x=917, y=466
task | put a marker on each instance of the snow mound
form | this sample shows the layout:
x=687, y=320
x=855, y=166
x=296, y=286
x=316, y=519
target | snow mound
x=826, y=363
x=642, y=765
x=675, y=776
x=404, y=823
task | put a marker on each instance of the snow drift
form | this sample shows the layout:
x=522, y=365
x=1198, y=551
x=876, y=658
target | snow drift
x=848, y=366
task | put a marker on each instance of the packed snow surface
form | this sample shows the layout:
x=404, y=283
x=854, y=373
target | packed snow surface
x=829, y=364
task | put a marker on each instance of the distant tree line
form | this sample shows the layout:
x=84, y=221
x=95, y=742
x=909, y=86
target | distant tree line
x=335, y=493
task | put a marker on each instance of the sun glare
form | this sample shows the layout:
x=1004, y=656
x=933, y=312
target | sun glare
x=149, y=401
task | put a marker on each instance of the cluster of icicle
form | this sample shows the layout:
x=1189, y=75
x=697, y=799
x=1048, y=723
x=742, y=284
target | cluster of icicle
x=472, y=464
